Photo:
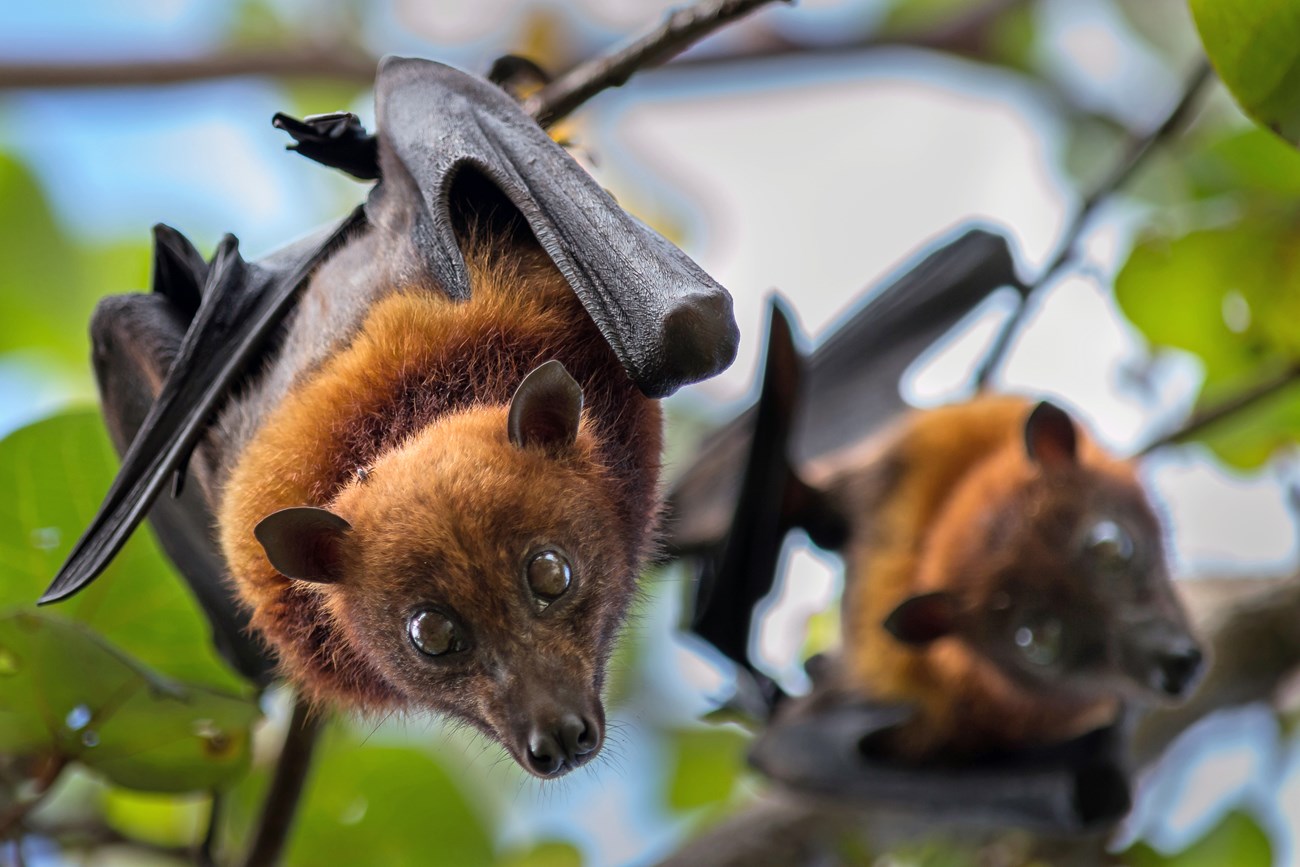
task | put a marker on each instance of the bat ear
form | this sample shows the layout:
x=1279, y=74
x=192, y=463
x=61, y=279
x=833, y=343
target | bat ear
x=1050, y=438
x=304, y=542
x=922, y=619
x=546, y=408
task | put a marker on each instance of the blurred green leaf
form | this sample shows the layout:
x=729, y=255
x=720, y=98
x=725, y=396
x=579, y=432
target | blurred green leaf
x=1175, y=292
x=158, y=819
x=549, y=854
x=1230, y=296
x=1249, y=161
x=1250, y=437
x=1237, y=840
x=1255, y=47
x=706, y=766
x=64, y=691
x=908, y=15
x=49, y=285
x=55, y=473
x=369, y=803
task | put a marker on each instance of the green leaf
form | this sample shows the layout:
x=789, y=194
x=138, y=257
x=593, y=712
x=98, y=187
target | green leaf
x=64, y=691
x=1237, y=840
x=369, y=803
x=706, y=766
x=1245, y=161
x=1255, y=47
x=1229, y=295
x=49, y=285
x=548, y=854
x=54, y=474
x=159, y=819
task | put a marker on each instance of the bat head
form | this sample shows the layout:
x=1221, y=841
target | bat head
x=482, y=568
x=1064, y=585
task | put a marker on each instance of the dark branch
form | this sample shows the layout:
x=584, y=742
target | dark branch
x=331, y=62
x=11, y=819
x=681, y=29
x=1233, y=405
x=1134, y=156
x=281, y=802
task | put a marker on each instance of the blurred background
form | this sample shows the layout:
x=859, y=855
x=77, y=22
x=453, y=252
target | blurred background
x=810, y=149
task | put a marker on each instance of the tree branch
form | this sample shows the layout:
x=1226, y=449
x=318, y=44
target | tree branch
x=11, y=820
x=332, y=62
x=1134, y=156
x=966, y=35
x=282, y=798
x=1212, y=415
x=681, y=29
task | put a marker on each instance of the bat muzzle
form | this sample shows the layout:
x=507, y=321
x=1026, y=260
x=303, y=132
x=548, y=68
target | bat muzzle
x=554, y=734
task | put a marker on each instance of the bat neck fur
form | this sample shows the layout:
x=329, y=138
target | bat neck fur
x=420, y=365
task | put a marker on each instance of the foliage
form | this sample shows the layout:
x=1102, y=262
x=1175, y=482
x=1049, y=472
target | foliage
x=1255, y=46
x=1237, y=840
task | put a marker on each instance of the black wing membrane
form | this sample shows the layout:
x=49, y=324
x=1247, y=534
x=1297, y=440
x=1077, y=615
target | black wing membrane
x=669, y=323
x=851, y=380
x=1070, y=788
x=772, y=500
x=241, y=305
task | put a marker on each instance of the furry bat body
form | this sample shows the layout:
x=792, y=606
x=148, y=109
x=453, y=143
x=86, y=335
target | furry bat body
x=429, y=439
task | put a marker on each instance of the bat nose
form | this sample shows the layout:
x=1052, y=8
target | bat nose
x=556, y=747
x=1178, y=668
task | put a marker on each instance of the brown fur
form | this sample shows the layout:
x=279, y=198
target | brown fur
x=951, y=503
x=418, y=398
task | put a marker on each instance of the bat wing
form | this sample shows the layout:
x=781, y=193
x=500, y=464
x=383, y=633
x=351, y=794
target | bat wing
x=441, y=131
x=772, y=499
x=237, y=307
x=1079, y=786
x=851, y=380
x=136, y=340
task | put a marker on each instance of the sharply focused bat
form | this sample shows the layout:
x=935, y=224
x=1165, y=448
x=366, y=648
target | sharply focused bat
x=428, y=437
x=1005, y=592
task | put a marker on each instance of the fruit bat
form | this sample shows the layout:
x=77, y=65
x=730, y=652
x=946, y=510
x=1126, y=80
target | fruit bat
x=828, y=743
x=427, y=436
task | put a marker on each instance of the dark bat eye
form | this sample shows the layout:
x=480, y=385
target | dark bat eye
x=549, y=575
x=1110, y=547
x=1040, y=640
x=434, y=633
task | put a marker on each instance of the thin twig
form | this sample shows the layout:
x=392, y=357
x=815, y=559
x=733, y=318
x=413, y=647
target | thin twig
x=282, y=798
x=11, y=820
x=1199, y=421
x=966, y=35
x=681, y=29
x=1134, y=156
x=308, y=61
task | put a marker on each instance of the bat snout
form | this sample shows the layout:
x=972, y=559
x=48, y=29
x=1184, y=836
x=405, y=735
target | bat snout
x=1177, y=670
x=554, y=747
x=1166, y=659
x=554, y=733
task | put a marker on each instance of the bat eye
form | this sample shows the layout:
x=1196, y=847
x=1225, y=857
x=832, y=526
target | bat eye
x=549, y=575
x=434, y=634
x=1110, y=547
x=1040, y=640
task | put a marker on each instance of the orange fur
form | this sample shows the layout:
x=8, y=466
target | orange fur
x=419, y=398
x=929, y=495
